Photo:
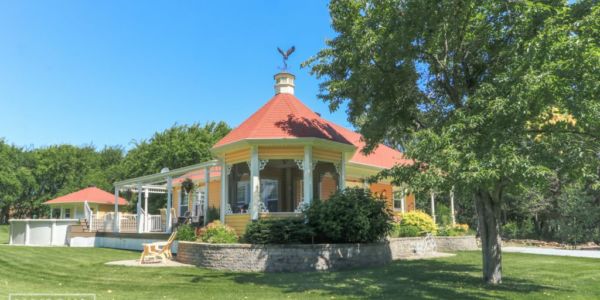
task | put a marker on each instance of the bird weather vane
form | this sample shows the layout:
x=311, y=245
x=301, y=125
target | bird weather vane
x=285, y=55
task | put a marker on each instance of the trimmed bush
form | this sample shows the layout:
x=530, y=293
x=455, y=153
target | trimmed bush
x=278, y=231
x=419, y=219
x=350, y=216
x=186, y=233
x=399, y=230
x=457, y=230
x=218, y=233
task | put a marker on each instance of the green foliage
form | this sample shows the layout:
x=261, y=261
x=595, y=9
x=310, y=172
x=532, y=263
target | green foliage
x=350, y=216
x=186, y=232
x=419, y=219
x=176, y=147
x=218, y=233
x=212, y=214
x=279, y=231
x=458, y=230
x=401, y=230
x=518, y=230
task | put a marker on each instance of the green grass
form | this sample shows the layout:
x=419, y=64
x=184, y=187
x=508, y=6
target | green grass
x=3, y=234
x=82, y=270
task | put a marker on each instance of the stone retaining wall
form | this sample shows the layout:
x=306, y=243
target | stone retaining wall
x=455, y=243
x=300, y=258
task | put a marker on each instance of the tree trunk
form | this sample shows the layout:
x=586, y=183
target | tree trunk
x=488, y=213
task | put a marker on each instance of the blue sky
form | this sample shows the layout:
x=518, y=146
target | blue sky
x=109, y=72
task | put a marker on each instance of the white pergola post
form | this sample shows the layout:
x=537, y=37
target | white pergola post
x=224, y=196
x=146, y=225
x=180, y=196
x=116, y=215
x=307, y=180
x=206, y=189
x=169, y=204
x=254, y=183
x=433, y=207
x=343, y=172
x=139, y=216
x=452, y=206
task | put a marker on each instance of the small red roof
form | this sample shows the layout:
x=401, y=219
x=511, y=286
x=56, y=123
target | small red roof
x=284, y=116
x=91, y=195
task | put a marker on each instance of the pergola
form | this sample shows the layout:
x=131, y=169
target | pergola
x=159, y=183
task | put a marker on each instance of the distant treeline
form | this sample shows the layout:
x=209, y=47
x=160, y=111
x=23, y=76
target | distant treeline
x=29, y=177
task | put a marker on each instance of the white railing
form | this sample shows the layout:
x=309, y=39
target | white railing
x=155, y=223
x=128, y=222
x=89, y=214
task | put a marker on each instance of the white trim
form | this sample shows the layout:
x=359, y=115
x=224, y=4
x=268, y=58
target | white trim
x=307, y=175
x=254, y=183
x=161, y=177
x=206, y=194
x=169, y=204
x=224, y=191
x=342, y=175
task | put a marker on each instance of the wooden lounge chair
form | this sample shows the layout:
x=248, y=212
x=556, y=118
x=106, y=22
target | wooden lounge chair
x=158, y=251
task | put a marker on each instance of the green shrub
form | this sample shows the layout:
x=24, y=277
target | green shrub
x=419, y=219
x=218, y=233
x=186, y=233
x=350, y=216
x=278, y=231
x=400, y=230
x=456, y=230
x=514, y=230
x=212, y=214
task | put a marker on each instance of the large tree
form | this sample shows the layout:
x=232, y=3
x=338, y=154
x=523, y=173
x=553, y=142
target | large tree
x=482, y=95
x=175, y=147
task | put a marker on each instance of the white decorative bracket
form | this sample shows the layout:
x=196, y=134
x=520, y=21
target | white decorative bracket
x=228, y=169
x=262, y=164
x=262, y=208
x=299, y=163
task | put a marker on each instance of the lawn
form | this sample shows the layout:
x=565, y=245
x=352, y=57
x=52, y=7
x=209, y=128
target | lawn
x=81, y=270
x=3, y=234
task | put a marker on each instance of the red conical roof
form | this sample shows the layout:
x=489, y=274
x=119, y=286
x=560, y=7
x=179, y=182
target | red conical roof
x=286, y=117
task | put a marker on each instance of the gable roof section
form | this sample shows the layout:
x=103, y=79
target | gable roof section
x=286, y=117
x=91, y=195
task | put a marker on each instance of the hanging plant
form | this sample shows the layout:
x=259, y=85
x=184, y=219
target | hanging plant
x=188, y=185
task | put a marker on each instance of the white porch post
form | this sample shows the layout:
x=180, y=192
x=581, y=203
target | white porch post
x=140, y=221
x=308, y=175
x=433, y=206
x=452, y=206
x=254, y=184
x=343, y=172
x=116, y=215
x=224, y=196
x=146, y=225
x=169, y=199
x=403, y=200
x=206, y=183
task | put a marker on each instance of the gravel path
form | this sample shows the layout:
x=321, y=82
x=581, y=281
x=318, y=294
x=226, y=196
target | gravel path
x=555, y=252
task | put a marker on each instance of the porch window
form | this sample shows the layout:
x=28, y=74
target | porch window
x=243, y=196
x=183, y=203
x=197, y=204
x=398, y=200
x=67, y=213
x=269, y=193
